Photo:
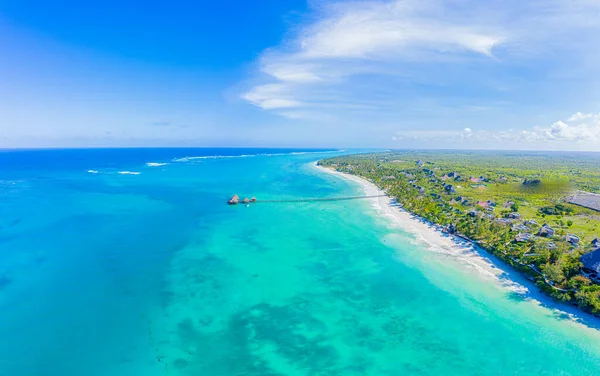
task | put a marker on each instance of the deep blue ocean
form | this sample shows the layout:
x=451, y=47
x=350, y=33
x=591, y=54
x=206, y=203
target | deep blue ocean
x=128, y=262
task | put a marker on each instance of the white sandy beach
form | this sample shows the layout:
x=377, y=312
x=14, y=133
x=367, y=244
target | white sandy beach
x=425, y=231
x=472, y=256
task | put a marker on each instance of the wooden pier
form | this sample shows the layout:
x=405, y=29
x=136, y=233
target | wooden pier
x=235, y=199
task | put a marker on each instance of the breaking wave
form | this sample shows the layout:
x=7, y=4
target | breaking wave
x=155, y=164
x=189, y=159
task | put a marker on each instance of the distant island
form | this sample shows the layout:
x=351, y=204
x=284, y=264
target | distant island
x=538, y=213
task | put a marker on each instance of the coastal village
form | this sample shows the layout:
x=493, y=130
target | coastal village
x=547, y=228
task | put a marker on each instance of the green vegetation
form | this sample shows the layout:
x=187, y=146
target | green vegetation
x=501, y=202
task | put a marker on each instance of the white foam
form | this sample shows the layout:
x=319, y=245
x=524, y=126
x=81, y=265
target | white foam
x=92, y=171
x=10, y=182
x=189, y=159
x=129, y=172
x=155, y=164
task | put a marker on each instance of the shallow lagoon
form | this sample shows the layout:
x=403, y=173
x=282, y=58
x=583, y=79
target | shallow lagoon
x=120, y=274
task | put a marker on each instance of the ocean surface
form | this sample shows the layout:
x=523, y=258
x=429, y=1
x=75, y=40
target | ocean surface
x=128, y=262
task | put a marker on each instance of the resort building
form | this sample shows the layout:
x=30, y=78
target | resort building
x=523, y=237
x=586, y=199
x=591, y=262
x=520, y=228
x=546, y=231
x=508, y=204
x=489, y=204
x=450, y=188
x=234, y=200
x=450, y=229
x=573, y=239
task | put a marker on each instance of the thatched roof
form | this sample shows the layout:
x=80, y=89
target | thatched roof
x=591, y=260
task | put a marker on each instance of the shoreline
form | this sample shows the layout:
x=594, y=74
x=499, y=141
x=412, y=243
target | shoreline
x=466, y=251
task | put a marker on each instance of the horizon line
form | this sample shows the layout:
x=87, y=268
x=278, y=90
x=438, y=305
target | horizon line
x=340, y=149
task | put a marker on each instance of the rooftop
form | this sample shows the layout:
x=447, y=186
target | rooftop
x=591, y=260
x=586, y=199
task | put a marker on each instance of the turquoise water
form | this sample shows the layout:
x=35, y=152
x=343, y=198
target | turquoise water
x=151, y=274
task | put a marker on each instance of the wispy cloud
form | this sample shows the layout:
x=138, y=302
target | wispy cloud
x=358, y=60
x=272, y=96
x=353, y=39
x=393, y=30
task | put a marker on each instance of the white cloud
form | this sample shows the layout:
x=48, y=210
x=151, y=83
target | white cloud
x=397, y=54
x=579, y=128
x=388, y=29
x=580, y=116
x=291, y=72
x=353, y=39
x=271, y=96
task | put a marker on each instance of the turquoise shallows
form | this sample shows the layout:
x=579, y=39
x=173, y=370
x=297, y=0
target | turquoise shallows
x=136, y=269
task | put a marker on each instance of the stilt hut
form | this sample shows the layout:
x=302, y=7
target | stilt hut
x=234, y=200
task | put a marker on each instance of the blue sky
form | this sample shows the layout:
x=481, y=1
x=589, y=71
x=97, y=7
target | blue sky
x=408, y=73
